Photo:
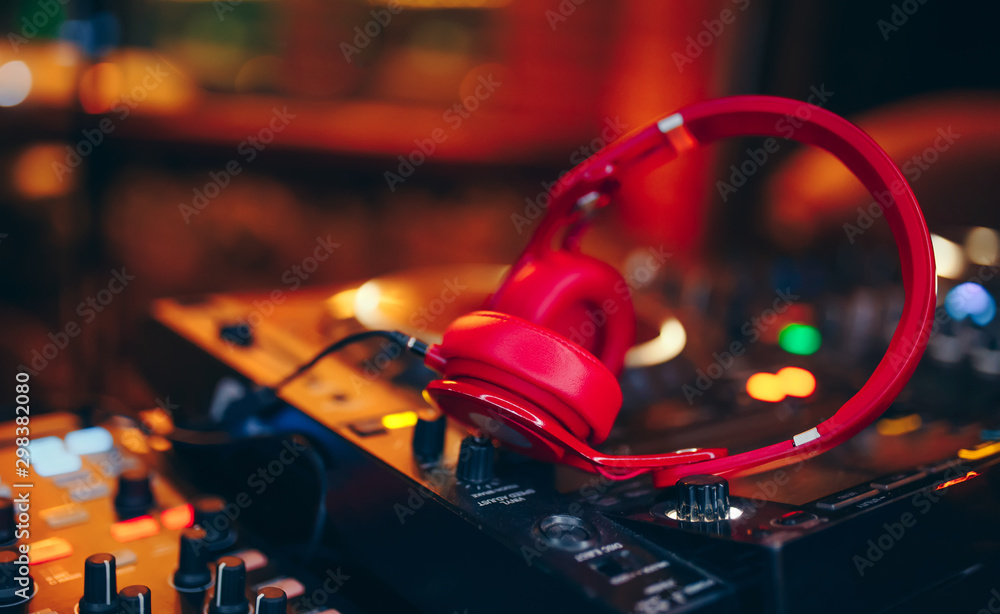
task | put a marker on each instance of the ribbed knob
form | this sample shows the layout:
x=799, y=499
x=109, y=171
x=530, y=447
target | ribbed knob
x=100, y=585
x=135, y=496
x=271, y=600
x=14, y=585
x=428, y=439
x=475, y=461
x=210, y=514
x=230, y=587
x=193, y=572
x=134, y=599
x=7, y=520
x=702, y=498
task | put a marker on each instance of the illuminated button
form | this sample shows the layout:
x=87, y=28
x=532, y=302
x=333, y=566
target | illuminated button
x=64, y=516
x=844, y=499
x=134, y=528
x=50, y=458
x=896, y=480
x=51, y=549
x=399, y=420
x=253, y=559
x=981, y=451
x=89, y=441
x=292, y=587
x=180, y=517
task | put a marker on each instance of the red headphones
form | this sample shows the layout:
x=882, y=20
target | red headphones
x=512, y=373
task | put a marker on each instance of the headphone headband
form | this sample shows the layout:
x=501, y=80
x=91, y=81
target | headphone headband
x=593, y=183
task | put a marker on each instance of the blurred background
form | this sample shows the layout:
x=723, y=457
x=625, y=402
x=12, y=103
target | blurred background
x=158, y=148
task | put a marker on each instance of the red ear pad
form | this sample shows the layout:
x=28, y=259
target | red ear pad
x=549, y=371
x=576, y=296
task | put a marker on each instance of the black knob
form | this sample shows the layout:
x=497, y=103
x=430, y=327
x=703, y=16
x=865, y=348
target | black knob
x=230, y=587
x=702, y=498
x=271, y=600
x=475, y=460
x=135, y=497
x=16, y=585
x=7, y=520
x=193, y=573
x=100, y=585
x=134, y=599
x=210, y=514
x=428, y=439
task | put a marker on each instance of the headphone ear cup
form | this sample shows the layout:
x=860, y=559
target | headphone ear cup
x=574, y=295
x=535, y=364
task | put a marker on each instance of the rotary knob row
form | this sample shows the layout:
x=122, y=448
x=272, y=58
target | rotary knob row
x=101, y=595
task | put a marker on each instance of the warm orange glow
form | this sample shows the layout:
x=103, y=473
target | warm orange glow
x=968, y=476
x=891, y=427
x=797, y=382
x=765, y=387
x=136, y=528
x=981, y=451
x=100, y=87
x=774, y=387
x=50, y=549
x=179, y=517
x=33, y=176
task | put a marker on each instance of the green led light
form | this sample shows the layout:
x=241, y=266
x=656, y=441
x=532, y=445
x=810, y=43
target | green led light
x=800, y=339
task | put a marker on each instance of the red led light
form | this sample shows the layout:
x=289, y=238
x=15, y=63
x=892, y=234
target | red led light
x=179, y=517
x=136, y=528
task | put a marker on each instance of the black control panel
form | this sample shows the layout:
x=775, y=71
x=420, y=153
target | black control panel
x=899, y=519
x=103, y=523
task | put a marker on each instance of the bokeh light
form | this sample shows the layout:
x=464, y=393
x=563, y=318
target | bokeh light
x=15, y=83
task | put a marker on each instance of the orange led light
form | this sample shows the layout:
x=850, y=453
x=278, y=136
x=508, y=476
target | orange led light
x=774, y=387
x=891, y=427
x=797, y=382
x=968, y=476
x=50, y=549
x=179, y=517
x=765, y=387
x=135, y=528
